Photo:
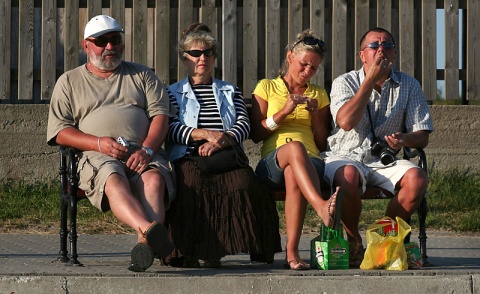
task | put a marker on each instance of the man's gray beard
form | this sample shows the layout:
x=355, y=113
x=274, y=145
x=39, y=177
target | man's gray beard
x=99, y=62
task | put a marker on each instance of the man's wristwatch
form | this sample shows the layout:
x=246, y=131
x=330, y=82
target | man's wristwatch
x=148, y=151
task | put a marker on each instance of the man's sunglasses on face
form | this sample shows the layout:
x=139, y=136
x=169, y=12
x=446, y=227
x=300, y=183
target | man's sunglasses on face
x=376, y=45
x=102, y=41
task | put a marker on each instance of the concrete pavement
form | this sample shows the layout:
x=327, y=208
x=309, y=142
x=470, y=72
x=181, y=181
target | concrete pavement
x=28, y=265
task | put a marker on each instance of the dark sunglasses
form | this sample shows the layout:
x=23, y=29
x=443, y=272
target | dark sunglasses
x=103, y=41
x=312, y=41
x=198, y=53
x=376, y=45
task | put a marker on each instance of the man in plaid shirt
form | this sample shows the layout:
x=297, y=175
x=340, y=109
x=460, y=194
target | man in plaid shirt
x=382, y=107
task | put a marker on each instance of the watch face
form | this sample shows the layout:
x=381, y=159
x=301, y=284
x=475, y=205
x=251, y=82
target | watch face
x=148, y=151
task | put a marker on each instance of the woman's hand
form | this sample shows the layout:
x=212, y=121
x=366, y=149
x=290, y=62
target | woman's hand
x=217, y=138
x=208, y=149
x=293, y=101
x=312, y=105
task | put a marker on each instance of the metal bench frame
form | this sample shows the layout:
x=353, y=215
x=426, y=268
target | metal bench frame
x=71, y=194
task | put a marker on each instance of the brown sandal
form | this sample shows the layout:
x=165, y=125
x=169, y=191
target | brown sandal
x=157, y=237
x=356, y=254
x=142, y=257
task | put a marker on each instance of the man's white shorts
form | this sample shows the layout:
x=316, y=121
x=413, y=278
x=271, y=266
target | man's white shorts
x=385, y=177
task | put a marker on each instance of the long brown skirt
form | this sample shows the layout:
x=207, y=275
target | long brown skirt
x=217, y=215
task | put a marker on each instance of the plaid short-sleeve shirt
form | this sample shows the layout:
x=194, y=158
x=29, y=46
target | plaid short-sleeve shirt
x=400, y=107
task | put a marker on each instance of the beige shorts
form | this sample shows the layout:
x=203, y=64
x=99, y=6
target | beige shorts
x=94, y=168
x=382, y=176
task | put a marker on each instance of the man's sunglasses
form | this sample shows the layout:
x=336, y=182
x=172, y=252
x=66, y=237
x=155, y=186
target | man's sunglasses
x=198, y=53
x=312, y=41
x=103, y=41
x=376, y=45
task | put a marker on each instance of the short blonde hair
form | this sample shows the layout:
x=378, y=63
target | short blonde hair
x=195, y=34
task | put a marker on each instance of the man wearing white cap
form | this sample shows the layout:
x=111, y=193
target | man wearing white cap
x=100, y=101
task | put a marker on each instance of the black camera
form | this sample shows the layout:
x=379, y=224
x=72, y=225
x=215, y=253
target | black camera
x=387, y=154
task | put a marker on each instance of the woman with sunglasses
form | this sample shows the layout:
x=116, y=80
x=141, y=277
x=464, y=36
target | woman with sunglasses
x=292, y=118
x=213, y=215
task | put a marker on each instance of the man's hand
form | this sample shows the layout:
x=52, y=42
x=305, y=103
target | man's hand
x=379, y=70
x=111, y=147
x=396, y=141
x=138, y=161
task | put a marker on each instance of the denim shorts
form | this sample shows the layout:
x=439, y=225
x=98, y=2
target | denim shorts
x=271, y=174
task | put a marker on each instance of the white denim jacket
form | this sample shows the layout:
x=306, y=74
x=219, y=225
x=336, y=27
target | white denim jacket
x=189, y=108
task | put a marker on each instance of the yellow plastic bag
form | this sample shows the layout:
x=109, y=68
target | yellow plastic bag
x=385, y=248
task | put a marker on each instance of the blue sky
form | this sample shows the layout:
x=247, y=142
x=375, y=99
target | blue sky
x=441, y=44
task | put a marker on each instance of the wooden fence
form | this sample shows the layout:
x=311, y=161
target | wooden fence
x=42, y=39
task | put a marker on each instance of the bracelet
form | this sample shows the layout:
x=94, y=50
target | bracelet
x=98, y=143
x=271, y=124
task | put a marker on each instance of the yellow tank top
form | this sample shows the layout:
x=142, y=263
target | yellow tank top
x=298, y=125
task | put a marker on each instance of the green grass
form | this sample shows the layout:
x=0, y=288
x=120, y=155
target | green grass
x=453, y=204
x=35, y=208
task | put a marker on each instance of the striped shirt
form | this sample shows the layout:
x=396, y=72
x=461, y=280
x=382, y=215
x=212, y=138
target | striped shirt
x=209, y=117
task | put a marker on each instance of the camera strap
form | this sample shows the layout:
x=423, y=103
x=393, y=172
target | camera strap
x=371, y=123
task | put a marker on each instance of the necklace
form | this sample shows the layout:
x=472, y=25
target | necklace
x=292, y=90
x=87, y=66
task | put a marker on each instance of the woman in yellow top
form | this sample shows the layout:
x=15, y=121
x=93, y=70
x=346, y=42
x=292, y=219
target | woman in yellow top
x=292, y=117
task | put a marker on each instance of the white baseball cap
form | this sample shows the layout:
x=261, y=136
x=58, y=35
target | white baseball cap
x=101, y=24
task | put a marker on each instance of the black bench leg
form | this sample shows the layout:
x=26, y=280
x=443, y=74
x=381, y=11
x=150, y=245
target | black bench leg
x=64, y=200
x=73, y=230
x=63, y=231
x=422, y=215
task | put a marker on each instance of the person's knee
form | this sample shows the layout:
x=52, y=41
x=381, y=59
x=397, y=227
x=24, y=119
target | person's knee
x=415, y=178
x=295, y=148
x=115, y=182
x=153, y=180
x=292, y=153
x=347, y=176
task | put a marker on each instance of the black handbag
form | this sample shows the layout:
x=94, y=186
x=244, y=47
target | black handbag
x=231, y=158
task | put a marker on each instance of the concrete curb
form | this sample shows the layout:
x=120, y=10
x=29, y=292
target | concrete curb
x=243, y=284
x=28, y=266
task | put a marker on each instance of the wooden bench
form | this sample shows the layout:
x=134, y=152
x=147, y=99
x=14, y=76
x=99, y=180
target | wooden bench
x=70, y=194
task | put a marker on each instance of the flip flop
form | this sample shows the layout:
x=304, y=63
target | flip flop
x=296, y=264
x=336, y=216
